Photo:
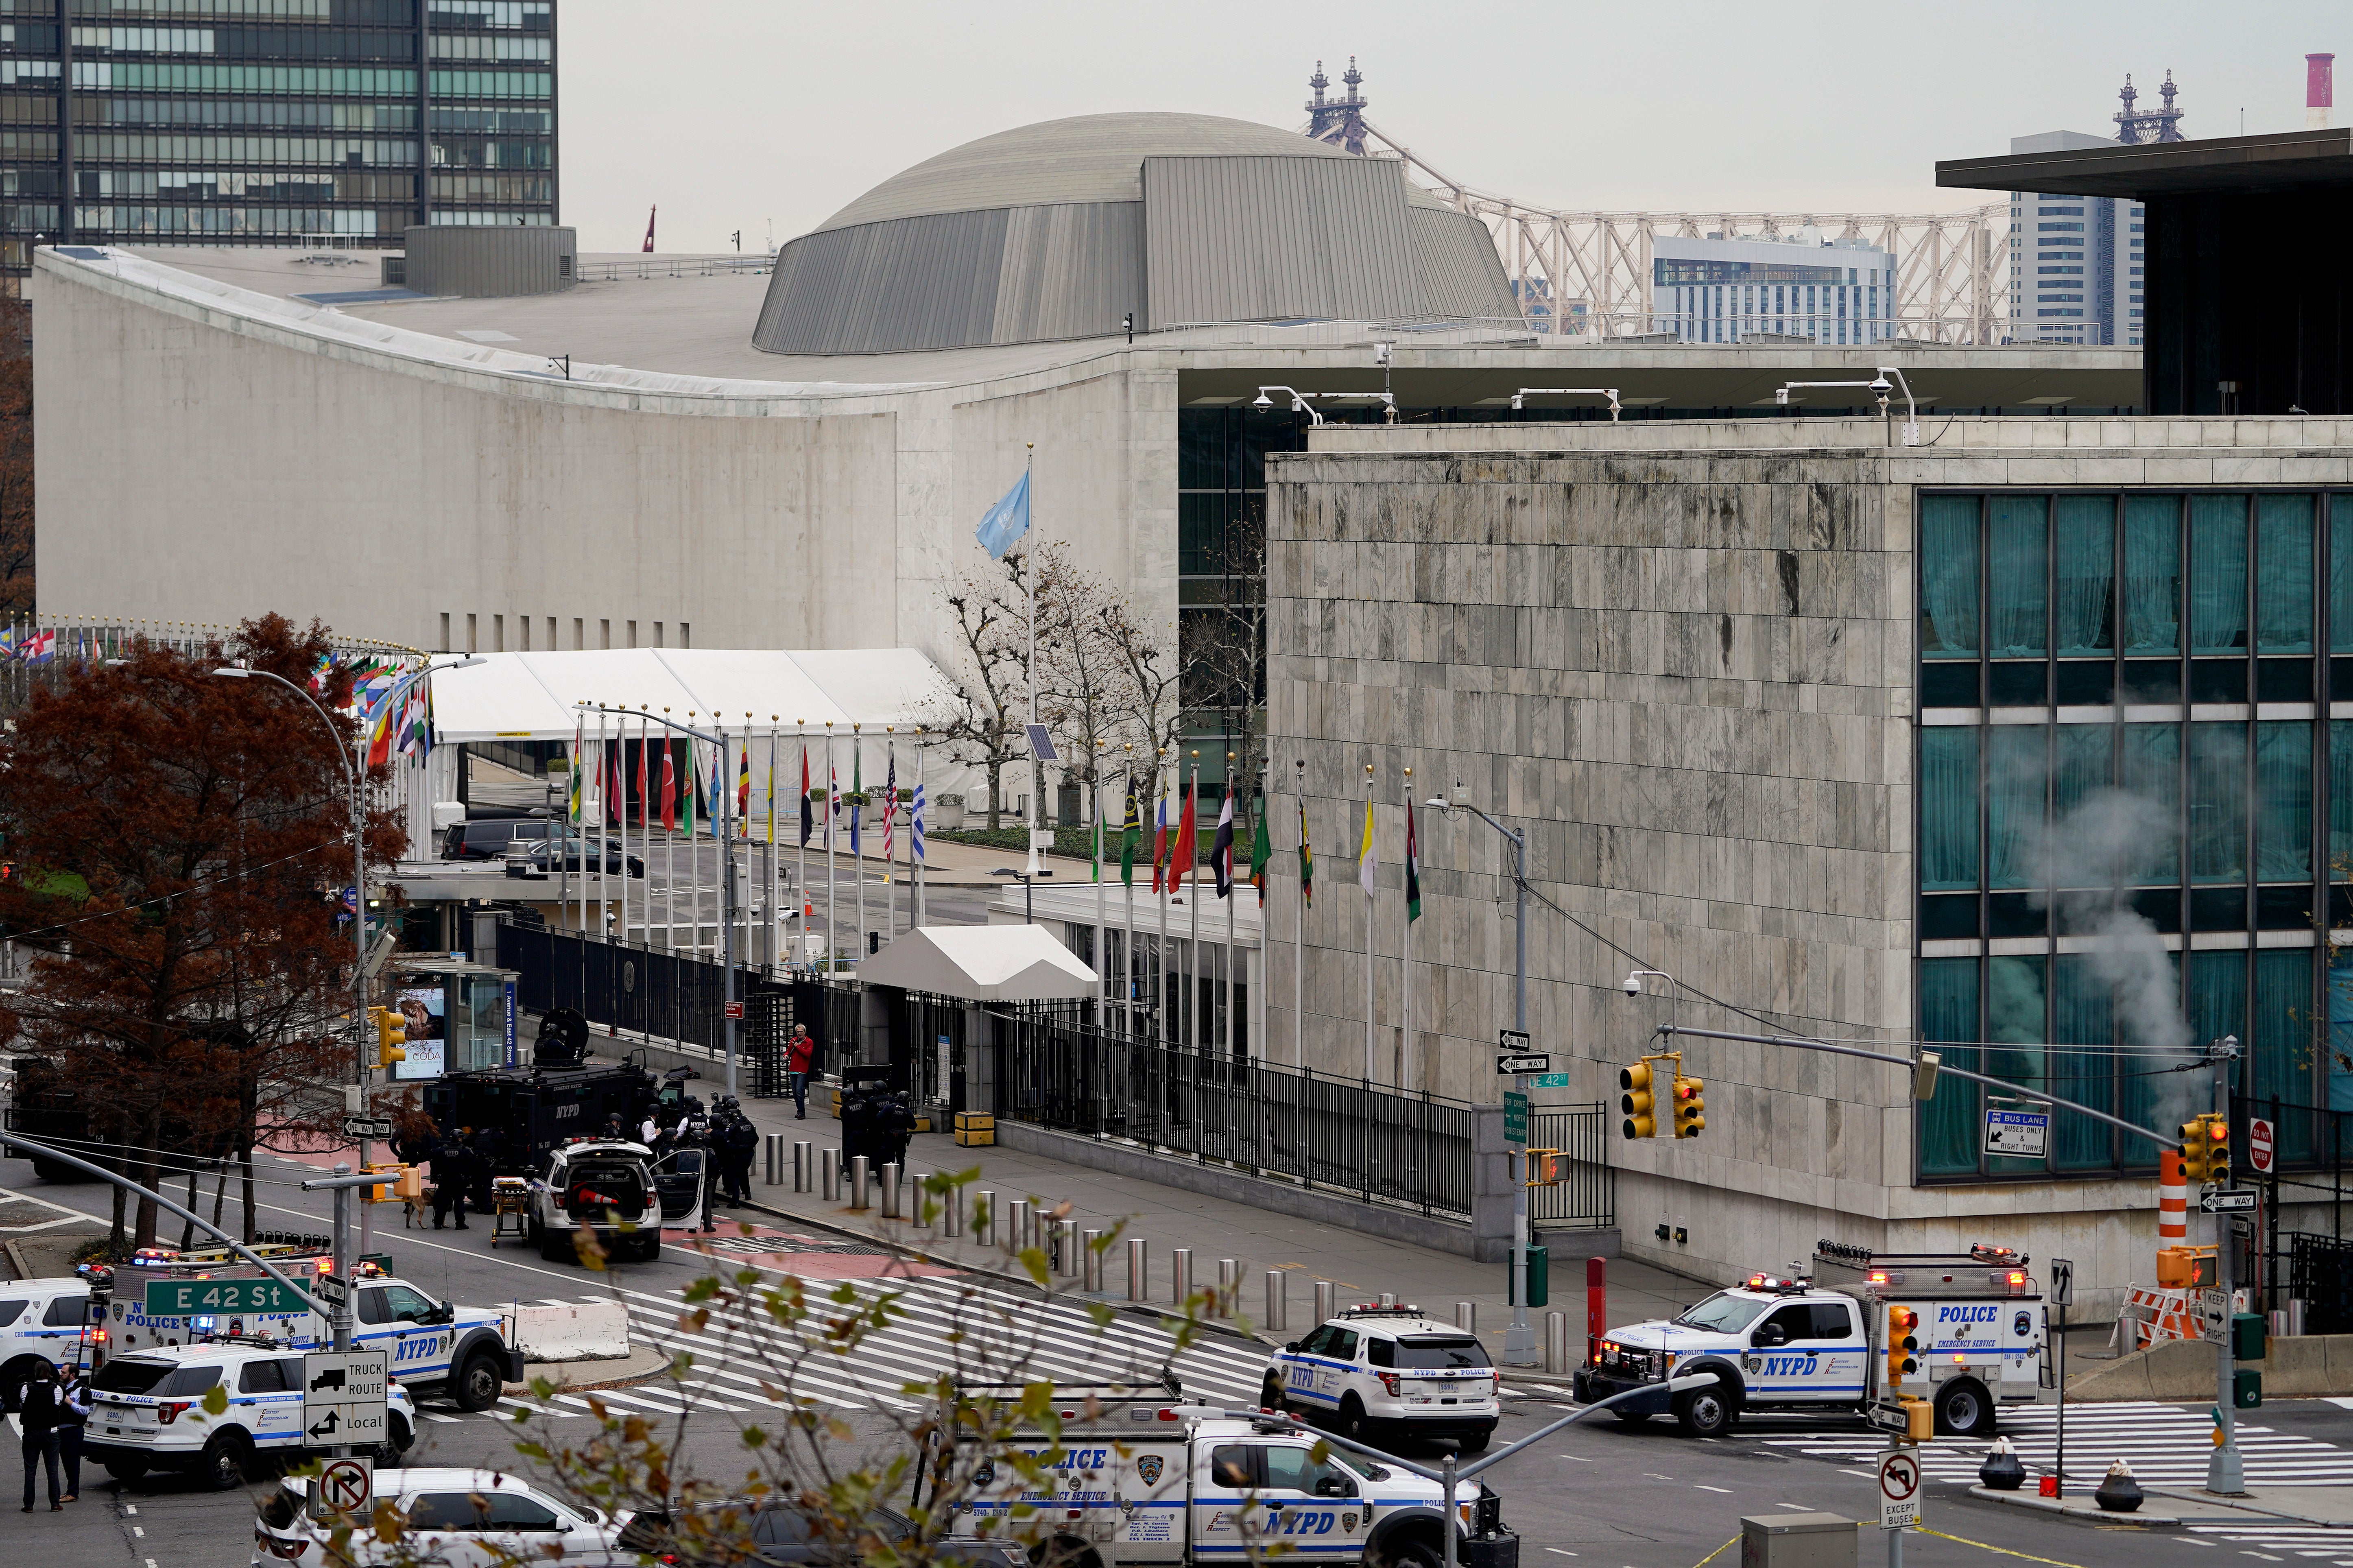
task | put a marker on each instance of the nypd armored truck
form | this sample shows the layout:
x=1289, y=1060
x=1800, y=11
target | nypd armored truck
x=1961, y=1331
x=1136, y=1476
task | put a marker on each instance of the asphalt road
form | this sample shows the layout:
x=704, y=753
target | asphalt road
x=1597, y=1493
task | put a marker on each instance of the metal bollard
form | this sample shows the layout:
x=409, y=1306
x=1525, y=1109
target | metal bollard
x=1466, y=1316
x=1229, y=1286
x=985, y=1219
x=891, y=1191
x=772, y=1165
x=1180, y=1268
x=861, y=1171
x=952, y=1211
x=1091, y=1261
x=1066, y=1248
x=1019, y=1217
x=1328, y=1301
x=1278, y=1298
x=1138, y=1260
x=916, y=1197
x=1555, y=1354
x=804, y=1157
x=830, y=1162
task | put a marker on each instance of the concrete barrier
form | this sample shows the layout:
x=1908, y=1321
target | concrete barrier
x=2306, y=1366
x=595, y=1332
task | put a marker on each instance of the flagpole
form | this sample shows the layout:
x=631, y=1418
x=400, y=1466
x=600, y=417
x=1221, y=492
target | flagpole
x=1102, y=966
x=833, y=927
x=858, y=836
x=1369, y=867
x=1029, y=585
x=775, y=930
x=603, y=880
x=800, y=872
x=1127, y=881
x=1231, y=899
x=1160, y=877
x=1405, y=955
x=919, y=857
x=669, y=787
x=889, y=833
x=1192, y=905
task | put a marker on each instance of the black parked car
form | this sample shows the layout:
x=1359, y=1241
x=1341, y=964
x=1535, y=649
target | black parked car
x=574, y=856
x=495, y=838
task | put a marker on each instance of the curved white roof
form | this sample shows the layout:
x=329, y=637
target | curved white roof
x=752, y=690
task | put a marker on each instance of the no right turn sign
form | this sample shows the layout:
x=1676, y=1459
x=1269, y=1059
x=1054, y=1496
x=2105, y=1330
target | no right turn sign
x=345, y=1486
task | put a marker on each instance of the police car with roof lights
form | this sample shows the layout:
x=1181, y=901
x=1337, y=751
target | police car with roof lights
x=1380, y=1370
x=1958, y=1334
x=44, y=1324
x=1131, y=1475
x=147, y=1412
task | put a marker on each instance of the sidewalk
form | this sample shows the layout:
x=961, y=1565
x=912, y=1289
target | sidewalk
x=2325, y=1506
x=1165, y=1218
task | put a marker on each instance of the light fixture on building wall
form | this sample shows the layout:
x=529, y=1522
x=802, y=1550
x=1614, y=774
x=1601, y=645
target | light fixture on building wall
x=1304, y=402
x=1880, y=385
x=1609, y=392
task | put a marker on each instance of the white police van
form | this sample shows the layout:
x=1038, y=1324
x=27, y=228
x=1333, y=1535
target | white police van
x=147, y=1412
x=1964, y=1331
x=1388, y=1369
x=44, y=1324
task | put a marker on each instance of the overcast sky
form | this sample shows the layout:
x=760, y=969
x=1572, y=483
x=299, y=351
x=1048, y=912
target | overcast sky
x=769, y=115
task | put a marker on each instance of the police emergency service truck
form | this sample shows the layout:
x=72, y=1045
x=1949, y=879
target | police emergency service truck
x=1136, y=1478
x=1964, y=1331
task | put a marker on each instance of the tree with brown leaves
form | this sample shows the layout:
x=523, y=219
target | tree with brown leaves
x=15, y=458
x=182, y=842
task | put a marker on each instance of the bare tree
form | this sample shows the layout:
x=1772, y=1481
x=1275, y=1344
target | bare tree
x=1224, y=642
x=1156, y=714
x=1083, y=683
x=981, y=713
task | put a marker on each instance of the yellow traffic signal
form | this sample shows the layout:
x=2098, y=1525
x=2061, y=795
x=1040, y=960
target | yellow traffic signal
x=2206, y=1151
x=1634, y=1103
x=1902, y=1343
x=385, y=1193
x=391, y=1035
x=1690, y=1107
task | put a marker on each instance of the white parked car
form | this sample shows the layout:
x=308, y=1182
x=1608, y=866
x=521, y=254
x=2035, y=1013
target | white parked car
x=597, y=1184
x=147, y=1412
x=1388, y=1371
x=464, y=1519
x=42, y=1326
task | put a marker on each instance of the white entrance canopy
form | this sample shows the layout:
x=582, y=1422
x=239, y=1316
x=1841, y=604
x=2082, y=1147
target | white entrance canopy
x=983, y=963
x=535, y=697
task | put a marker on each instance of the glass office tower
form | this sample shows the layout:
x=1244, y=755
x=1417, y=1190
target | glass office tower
x=2135, y=805
x=271, y=121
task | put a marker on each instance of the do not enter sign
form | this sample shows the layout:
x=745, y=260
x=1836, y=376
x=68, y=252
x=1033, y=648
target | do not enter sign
x=343, y=1487
x=2259, y=1144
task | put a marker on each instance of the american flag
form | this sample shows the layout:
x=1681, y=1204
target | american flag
x=889, y=807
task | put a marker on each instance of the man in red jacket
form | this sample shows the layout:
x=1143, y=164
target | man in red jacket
x=798, y=1051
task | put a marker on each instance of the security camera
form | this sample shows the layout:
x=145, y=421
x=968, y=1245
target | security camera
x=1262, y=402
x=1781, y=395
x=1634, y=983
x=1883, y=384
x=1381, y=352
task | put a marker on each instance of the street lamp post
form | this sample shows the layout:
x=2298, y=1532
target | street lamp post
x=1520, y=1337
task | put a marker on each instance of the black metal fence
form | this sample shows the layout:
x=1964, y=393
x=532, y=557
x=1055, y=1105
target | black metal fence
x=1586, y=1196
x=2320, y=1275
x=635, y=989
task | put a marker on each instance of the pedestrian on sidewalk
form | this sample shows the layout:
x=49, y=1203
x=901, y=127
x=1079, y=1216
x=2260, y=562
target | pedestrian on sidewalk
x=37, y=1409
x=74, y=1396
x=798, y=1051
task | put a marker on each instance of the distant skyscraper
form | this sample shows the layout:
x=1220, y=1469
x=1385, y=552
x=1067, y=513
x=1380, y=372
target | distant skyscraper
x=2075, y=262
x=1725, y=290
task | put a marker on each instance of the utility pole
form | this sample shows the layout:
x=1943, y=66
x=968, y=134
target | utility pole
x=2225, y=1469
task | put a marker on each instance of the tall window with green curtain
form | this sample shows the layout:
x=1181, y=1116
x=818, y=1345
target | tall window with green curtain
x=2017, y=572
x=1948, y=1014
x=2084, y=575
x=2340, y=799
x=2082, y=761
x=2218, y=803
x=2083, y=1060
x=2152, y=574
x=1948, y=578
x=2015, y=1033
x=2018, y=776
x=2284, y=574
x=2340, y=574
x=2149, y=766
x=2145, y=1091
x=2218, y=574
x=1949, y=808
x=2283, y=801
x=2218, y=1002
x=2278, y=1063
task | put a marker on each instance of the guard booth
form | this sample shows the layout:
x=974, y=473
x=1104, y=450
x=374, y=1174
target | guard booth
x=937, y=994
x=459, y=1016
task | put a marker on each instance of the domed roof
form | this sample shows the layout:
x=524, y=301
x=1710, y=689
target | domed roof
x=1087, y=158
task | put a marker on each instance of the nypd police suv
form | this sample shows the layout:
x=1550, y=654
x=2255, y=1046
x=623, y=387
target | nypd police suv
x=1377, y=1372
x=147, y=1412
x=1962, y=1331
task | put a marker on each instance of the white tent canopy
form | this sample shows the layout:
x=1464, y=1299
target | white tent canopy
x=983, y=963
x=533, y=696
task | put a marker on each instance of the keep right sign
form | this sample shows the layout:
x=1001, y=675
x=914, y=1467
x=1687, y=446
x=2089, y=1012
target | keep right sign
x=2261, y=1142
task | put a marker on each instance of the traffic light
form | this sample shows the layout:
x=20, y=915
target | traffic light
x=1634, y=1101
x=1902, y=1343
x=1690, y=1107
x=391, y=1035
x=2206, y=1151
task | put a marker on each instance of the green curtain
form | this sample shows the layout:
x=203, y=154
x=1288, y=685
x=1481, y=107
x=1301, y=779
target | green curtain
x=2014, y=1018
x=2152, y=574
x=1949, y=576
x=2288, y=1037
x=2149, y=766
x=2218, y=1001
x=2340, y=799
x=2339, y=1066
x=2284, y=574
x=2082, y=1013
x=2340, y=575
x=1948, y=808
x=2017, y=548
x=2283, y=802
x=2218, y=803
x=2218, y=574
x=2084, y=575
x=2081, y=764
x=2018, y=769
x=1949, y=1012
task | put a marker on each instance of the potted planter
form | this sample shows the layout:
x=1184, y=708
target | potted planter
x=946, y=813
